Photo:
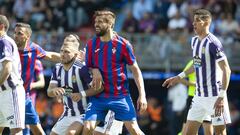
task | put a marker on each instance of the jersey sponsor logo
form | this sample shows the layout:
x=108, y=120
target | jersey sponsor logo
x=74, y=79
x=68, y=91
x=97, y=50
x=197, y=62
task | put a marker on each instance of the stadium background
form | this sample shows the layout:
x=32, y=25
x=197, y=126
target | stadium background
x=160, y=32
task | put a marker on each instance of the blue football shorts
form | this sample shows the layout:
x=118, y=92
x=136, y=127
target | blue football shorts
x=31, y=116
x=122, y=107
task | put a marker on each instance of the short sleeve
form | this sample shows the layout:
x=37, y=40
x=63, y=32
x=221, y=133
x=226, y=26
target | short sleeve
x=85, y=75
x=54, y=76
x=6, y=50
x=41, y=53
x=129, y=54
x=216, y=50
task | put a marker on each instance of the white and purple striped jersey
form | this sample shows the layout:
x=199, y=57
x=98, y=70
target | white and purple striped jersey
x=206, y=53
x=9, y=51
x=76, y=79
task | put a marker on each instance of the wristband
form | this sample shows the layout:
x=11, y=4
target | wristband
x=182, y=75
x=83, y=93
x=222, y=93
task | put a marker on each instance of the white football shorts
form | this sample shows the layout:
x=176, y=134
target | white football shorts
x=111, y=126
x=203, y=107
x=64, y=122
x=12, y=110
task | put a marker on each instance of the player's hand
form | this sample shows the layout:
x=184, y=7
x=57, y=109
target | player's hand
x=76, y=97
x=141, y=104
x=219, y=106
x=80, y=55
x=57, y=92
x=171, y=81
x=97, y=79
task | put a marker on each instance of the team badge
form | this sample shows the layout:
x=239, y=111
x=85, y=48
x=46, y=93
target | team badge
x=74, y=79
x=203, y=50
x=29, y=54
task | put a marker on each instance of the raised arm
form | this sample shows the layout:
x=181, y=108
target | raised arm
x=52, y=56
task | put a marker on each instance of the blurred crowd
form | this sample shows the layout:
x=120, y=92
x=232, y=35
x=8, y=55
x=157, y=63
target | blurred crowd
x=158, y=29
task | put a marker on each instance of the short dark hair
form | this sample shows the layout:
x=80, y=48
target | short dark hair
x=203, y=13
x=25, y=25
x=4, y=21
x=109, y=15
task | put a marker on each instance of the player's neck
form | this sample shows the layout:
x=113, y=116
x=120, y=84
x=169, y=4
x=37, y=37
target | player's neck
x=203, y=34
x=68, y=65
x=108, y=36
x=2, y=33
x=22, y=46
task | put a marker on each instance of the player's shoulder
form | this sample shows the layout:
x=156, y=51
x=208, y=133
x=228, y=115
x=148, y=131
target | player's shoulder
x=213, y=40
x=93, y=39
x=121, y=40
x=58, y=65
x=7, y=40
x=194, y=38
x=79, y=64
x=33, y=44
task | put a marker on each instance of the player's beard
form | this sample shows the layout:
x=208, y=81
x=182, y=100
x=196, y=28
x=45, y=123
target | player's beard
x=102, y=32
x=68, y=62
x=20, y=43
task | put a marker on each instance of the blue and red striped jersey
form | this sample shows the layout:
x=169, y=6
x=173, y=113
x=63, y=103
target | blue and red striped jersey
x=28, y=58
x=111, y=59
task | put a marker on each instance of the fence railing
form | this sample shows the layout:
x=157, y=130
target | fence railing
x=164, y=51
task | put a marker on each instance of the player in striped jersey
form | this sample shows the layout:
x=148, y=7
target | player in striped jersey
x=213, y=75
x=70, y=81
x=190, y=81
x=29, y=52
x=12, y=94
x=110, y=54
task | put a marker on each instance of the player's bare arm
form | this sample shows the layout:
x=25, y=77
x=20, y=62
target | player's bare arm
x=40, y=83
x=7, y=68
x=52, y=56
x=54, y=91
x=187, y=83
x=86, y=93
x=176, y=79
x=137, y=75
x=219, y=104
